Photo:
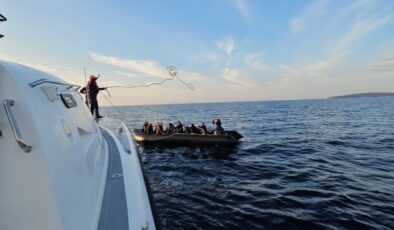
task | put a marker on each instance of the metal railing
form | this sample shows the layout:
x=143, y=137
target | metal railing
x=17, y=133
x=41, y=81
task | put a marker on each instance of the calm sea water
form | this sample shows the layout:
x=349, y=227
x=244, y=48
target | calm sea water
x=310, y=164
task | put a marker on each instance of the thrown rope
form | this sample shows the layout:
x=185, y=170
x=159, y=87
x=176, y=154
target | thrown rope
x=173, y=74
x=109, y=100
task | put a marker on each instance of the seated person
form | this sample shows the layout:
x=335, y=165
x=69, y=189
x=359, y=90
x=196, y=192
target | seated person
x=179, y=127
x=145, y=127
x=194, y=129
x=159, y=128
x=218, y=130
x=150, y=128
x=218, y=127
x=203, y=128
x=170, y=129
x=187, y=129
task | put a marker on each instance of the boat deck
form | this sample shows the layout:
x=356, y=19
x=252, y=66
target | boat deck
x=114, y=209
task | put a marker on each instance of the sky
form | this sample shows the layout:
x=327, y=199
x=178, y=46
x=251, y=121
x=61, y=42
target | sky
x=228, y=50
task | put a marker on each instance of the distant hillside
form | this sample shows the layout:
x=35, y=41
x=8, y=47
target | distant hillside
x=365, y=95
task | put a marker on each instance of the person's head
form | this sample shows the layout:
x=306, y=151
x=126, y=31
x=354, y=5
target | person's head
x=92, y=78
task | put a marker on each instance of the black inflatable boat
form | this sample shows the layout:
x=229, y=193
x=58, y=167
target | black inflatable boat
x=229, y=138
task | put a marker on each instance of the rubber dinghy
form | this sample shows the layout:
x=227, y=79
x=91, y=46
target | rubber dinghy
x=60, y=169
x=229, y=138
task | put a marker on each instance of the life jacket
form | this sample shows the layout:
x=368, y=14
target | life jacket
x=159, y=129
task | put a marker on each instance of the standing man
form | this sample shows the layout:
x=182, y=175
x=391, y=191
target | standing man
x=92, y=91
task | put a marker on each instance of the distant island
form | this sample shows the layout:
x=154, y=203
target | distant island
x=365, y=95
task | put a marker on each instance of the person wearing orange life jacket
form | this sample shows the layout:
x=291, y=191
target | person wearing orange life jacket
x=159, y=128
x=92, y=91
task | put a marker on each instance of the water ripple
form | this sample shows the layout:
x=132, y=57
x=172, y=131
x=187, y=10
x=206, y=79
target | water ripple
x=317, y=164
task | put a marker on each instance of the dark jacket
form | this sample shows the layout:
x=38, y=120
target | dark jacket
x=93, y=89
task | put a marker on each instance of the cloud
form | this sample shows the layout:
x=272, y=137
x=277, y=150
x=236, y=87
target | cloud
x=255, y=60
x=68, y=75
x=145, y=67
x=385, y=64
x=290, y=70
x=318, y=67
x=297, y=24
x=314, y=69
x=358, y=30
x=309, y=12
x=127, y=74
x=388, y=45
x=244, y=9
x=358, y=4
x=237, y=76
x=227, y=45
x=209, y=56
x=193, y=76
x=361, y=25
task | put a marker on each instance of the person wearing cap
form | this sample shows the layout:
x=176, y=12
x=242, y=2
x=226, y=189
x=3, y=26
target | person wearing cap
x=218, y=129
x=92, y=91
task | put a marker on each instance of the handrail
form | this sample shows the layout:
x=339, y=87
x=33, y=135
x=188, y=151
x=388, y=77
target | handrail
x=41, y=81
x=19, y=139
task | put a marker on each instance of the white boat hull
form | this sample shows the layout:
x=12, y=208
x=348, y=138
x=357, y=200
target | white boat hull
x=60, y=182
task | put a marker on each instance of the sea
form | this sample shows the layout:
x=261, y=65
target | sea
x=302, y=164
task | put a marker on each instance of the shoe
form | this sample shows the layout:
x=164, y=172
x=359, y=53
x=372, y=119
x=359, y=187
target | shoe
x=98, y=117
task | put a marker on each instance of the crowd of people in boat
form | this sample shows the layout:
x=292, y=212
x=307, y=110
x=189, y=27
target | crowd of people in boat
x=180, y=128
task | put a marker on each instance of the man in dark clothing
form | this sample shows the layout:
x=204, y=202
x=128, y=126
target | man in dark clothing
x=194, y=129
x=92, y=91
x=179, y=127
